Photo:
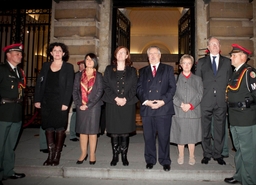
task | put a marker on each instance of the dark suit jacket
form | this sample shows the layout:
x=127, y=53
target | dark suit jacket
x=110, y=86
x=66, y=79
x=10, y=112
x=212, y=82
x=160, y=87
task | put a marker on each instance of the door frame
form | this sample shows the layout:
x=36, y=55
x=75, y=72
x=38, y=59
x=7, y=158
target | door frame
x=153, y=3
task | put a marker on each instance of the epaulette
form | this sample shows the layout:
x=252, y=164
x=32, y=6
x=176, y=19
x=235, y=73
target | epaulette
x=251, y=79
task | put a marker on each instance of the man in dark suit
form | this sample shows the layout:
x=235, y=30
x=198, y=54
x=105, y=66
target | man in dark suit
x=215, y=71
x=155, y=90
x=241, y=94
x=72, y=126
x=12, y=85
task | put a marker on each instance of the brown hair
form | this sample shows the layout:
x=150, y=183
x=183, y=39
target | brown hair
x=127, y=60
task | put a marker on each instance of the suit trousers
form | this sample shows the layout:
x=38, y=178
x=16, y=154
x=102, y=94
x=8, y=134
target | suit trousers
x=157, y=127
x=225, y=151
x=9, y=134
x=219, y=116
x=72, y=126
x=42, y=139
x=244, y=139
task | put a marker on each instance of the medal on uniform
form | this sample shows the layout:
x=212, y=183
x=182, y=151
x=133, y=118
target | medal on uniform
x=236, y=86
x=21, y=85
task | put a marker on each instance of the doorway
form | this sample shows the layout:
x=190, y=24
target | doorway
x=168, y=24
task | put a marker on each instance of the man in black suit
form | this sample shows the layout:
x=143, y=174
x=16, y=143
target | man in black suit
x=215, y=71
x=156, y=88
x=12, y=85
x=72, y=126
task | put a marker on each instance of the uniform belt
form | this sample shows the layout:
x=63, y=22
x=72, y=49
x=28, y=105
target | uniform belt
x=9, y=100
x=240, y=104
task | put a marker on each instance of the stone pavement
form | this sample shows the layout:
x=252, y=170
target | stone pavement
x=29, y=160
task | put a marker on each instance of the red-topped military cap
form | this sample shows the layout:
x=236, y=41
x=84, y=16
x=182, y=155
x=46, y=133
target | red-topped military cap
x=80, y=62
x=237, y=48
x=13, y=47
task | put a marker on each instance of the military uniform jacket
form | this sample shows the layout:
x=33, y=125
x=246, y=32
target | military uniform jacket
x=9, y=89
x=242, y=85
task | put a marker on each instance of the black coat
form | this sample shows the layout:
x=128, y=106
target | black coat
x=66, y=79
x=52, y=115
x=110, y=81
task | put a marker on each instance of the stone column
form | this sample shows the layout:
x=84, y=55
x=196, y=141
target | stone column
x=200, y=28
x=254, y=33
x=105, y=34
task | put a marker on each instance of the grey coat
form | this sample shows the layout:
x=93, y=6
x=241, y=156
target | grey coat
x=186, y=126
x=188, y=91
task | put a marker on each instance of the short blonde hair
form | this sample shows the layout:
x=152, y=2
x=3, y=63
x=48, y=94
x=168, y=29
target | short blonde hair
x=187, y=56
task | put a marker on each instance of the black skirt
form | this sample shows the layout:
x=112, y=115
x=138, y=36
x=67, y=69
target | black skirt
x=51, y=113
x=120, y=120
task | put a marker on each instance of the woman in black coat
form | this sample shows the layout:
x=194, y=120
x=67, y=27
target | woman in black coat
x=120, y=83
x=53, y=94
x=87, y=93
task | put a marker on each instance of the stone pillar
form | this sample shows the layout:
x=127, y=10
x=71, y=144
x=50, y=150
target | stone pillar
x=254, y=33
x=105, y=34
x=200, y=29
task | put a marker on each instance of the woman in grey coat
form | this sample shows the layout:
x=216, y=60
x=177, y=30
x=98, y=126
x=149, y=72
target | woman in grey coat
x=87, y=93
x=186, y=123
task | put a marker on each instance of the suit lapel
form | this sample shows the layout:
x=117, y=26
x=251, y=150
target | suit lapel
x=220, y=62
x=209, y=62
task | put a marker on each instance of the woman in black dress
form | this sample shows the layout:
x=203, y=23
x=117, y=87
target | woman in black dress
x=87, y=93
x=120, y=82
x=53, y=95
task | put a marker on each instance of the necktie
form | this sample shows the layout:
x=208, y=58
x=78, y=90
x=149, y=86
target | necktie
x=214, y=67
x=154, y=71
x=15, y=70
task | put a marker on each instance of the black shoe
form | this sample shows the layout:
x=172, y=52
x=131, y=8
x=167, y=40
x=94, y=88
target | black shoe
x=81, y=162
x=17, y=176
x=44, y=150
x=166, y=168
x=230, y=180
x=74, y=139
x=149, y=166
x=205, y=160
x=224, y=156
x=220, y=161
x=92, y=162
x=1, y=183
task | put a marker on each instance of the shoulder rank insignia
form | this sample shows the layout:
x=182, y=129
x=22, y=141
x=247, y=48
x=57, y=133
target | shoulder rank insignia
x=251, y=79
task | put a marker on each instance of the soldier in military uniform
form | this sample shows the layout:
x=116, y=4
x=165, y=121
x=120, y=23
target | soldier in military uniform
x=12, y=84
x=241, y=96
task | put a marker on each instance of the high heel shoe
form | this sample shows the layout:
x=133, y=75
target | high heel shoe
x=191, y=161
x=92, y=162
x=180, y=160
x=81, y=162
